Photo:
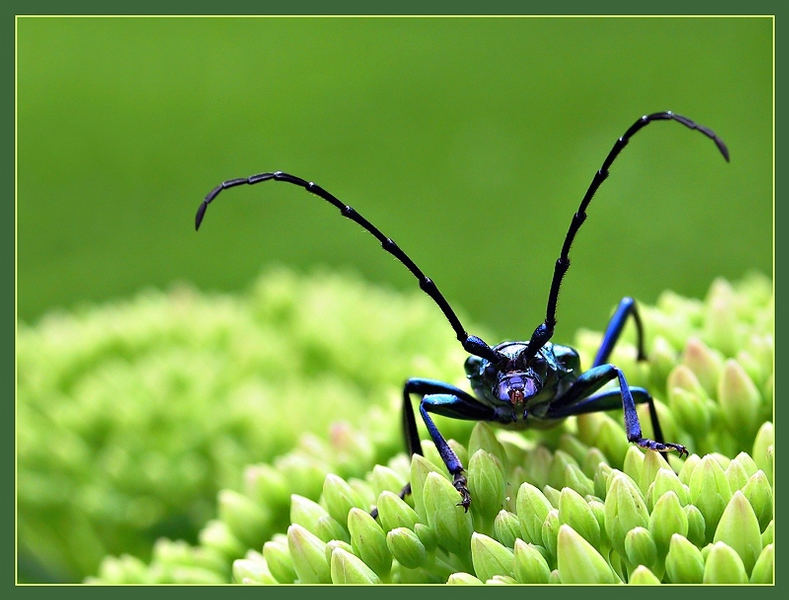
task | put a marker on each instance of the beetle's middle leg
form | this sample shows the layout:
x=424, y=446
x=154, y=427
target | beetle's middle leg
x=626, y=308
x=580, y=398
x=449, y=401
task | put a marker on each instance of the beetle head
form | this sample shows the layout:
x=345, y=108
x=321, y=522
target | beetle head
x=517, y=387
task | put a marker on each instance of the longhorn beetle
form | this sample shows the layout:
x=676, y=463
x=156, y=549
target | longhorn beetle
x=518, y=384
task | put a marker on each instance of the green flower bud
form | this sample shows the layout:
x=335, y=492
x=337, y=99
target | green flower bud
x=736, y=475
x=463, y=579
x=560, y=462
x=328, y=529
x=640, y=548
x=331, y=545
x=589, y=427
x=579, y=562
x=653, y=463
x=739, y=528
x=122, y=570
x=643, y=576
x=574, y=478
x=690, y=464
x=552, y=494
x=598, y=510
x=369, y=541
x=386, y=479
x=720, y=324
x=483, y=437
x=406, y=547
x=723, y=565
x=667, y=481
x=767, y=534
x=705, y=363
x=252, y=569
x=427, y=536
x=450, y=522
x=308, y=553
x=349, y=569
x=634, y=464
x=394, y=512
x=740, y=400
x=591, y=461
x=364, y=492
x=486, y=484
x=684, y=562
x=539, y=465
x=532, y=507
x=265, y=485
x=186, y=575
x=304, y=474
x=352, y=447
x=339, y=498
x=697, y=526
x=710, y=492
x=501, y=580
x=749, y=466
x=217, y=536
x=420, y=468
x=691, y=411
x=722, y=459
x=763, y=569
x=601, y=478
x=550, y=530
x=762, y=449
x=279, y=561
x=624, y=510
x=490, y=558
x=247, y=520
x=662, y=359
x=612, y=441
x=506, y=527
x=307, y=513
x=530, y=565
x=575, y=512
x=667, y=519
x=574, y=447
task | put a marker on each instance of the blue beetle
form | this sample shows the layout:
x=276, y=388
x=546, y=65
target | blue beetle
x=517, y=384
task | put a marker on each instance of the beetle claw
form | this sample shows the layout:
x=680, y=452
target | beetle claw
x=460, y=485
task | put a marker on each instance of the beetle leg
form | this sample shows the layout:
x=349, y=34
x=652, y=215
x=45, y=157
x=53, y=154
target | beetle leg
x=577, y=400
x=446, y=400
x=626, y=307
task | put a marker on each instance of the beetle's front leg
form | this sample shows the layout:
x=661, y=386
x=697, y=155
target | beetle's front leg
x=579, y=399
x=446, y=400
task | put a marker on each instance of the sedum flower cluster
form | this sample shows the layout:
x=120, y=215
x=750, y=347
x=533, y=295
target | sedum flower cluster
x=132, y=415
x=577, y=504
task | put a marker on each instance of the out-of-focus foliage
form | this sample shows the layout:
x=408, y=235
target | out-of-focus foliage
x=470, y=141
x=576, y=504
x=133, y=414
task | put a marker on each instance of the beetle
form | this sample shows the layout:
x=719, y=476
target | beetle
x=518, y=384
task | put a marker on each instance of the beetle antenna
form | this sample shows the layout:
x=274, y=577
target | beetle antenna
x=544, y=331
x=472, y=344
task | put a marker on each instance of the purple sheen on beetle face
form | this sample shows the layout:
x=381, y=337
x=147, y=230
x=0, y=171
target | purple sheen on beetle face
x=516, y=388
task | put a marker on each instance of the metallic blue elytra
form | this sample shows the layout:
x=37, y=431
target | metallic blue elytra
x=518, y=384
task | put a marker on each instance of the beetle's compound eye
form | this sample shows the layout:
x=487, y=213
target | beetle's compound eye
x=539, y=366
x=474, y=365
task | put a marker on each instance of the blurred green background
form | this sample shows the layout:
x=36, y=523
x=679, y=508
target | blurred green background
x=470, y=141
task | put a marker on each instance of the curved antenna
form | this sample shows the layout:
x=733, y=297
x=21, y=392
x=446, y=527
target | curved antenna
x=544, y=332
x=472, y=344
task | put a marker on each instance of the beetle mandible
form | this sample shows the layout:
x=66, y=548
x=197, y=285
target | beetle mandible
x=520, y=384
